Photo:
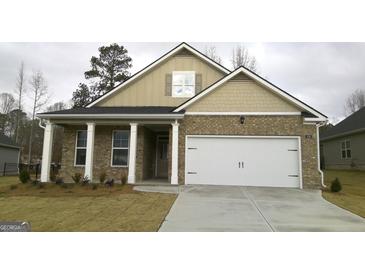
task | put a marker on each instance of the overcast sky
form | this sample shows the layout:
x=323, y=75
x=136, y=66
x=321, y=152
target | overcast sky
x=320, y=74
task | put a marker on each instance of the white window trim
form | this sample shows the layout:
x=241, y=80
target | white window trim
x=172, y=83
x=112, y=150
x=76, y=147
x=345, y=149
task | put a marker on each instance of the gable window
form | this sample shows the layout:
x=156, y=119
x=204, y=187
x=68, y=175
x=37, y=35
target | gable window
x=120, y=148
x=346, y=149
x=183, y=83
x=81, y=140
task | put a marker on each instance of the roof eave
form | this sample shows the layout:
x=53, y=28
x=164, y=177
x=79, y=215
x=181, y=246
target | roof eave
x=113, y=116
x=343, y=134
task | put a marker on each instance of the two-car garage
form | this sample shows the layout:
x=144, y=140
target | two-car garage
x=271, y=161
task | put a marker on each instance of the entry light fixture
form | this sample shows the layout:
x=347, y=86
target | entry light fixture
x=242, y=119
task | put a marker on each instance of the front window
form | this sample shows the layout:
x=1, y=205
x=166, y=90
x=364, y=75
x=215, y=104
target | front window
x=183, y=83
x=346, y=149
x=81, y=140
x=120, y=148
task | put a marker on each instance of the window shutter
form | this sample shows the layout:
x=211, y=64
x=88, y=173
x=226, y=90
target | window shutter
x=168, y=83
x=198, y=83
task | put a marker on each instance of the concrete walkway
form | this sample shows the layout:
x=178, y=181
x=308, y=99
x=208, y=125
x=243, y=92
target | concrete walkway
x=215, y=208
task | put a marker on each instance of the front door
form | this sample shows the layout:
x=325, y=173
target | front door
x=162, y=156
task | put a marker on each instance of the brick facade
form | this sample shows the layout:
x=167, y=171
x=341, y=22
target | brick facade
x=193, y=125
x=255, y=126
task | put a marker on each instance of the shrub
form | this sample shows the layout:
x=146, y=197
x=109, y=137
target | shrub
x=59, y=181
x=52, y=176
x=35, y=182
x=336, y=185
x=109, y=183
x=85, y=181
x=123, y=178
x=12, y=187
x=77, y=178
x=41, y=185
x=102, y=177
x=94, y=186
x=24, y=176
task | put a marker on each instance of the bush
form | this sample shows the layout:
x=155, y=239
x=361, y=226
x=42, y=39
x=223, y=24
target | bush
x=102, y=177
x=109, y=183
x=35, y=182
x=85, y=181
x=123, y=178
x=94, y=186
x=59, y=181
x=41, y=185
x=77, y=178
x=12, y=187
x=52, y=176
x=336, y=185
x=24, y=176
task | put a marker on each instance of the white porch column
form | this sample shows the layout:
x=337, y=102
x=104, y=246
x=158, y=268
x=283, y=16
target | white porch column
x=175, y=153
x=47, y=152
x=90, y=151
x=132, y=154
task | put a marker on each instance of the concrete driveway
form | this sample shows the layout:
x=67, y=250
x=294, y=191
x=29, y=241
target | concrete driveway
x=233, y=208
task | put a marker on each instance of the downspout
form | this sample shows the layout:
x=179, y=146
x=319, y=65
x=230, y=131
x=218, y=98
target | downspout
x=318, y=153
x=40, y=124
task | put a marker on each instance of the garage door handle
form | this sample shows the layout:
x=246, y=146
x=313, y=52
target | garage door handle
x=192, y=172
x=293, y=176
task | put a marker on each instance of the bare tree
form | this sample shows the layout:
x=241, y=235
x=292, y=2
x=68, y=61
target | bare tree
x=57, y=106
x=355, y=101
x=242, y=57
x=7, y=103
x=20, y=90
x=39, y=97
x=211, y=52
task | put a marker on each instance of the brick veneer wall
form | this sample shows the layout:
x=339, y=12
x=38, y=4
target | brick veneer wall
x=102, y=153
x=255, y=126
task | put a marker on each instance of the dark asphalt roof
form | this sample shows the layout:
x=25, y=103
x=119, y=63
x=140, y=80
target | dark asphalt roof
x=116, y=110
x=6, y=141
x=355, y=121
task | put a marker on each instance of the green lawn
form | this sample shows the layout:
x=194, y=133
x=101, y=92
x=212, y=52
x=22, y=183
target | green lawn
x=81, y=208
x=352, y=196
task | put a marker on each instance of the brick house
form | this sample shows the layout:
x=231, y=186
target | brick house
x=185, y=119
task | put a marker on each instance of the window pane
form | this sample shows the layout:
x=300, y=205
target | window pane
x=120, y=157
x=343, y=153
x=347, y=144
x=81, y=138
x=189, y=79
x=80, y=156
x=178, y=79
x=121, y=139
x=189, y=91
x=177, y=91
x=348, y=152
x=343, y=145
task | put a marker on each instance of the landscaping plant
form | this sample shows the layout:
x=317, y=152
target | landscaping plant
x=85, y=181
x=124, y=178
x=336, y=185
x=102, y=177
x=59, y=181
x=77, y=178
x=109, y=183
x=24, y=176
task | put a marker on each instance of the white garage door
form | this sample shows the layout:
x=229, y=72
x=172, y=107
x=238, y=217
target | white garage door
x=247, y=161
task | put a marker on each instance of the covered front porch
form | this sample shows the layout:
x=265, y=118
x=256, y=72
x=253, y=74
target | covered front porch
x=146, y=151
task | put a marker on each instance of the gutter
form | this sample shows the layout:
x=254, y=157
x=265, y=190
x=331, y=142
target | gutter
x=113, y=116
x=318, y=153
x=40, y=124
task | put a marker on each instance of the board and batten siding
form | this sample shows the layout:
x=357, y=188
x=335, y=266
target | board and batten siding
x=150, y=88
x=242, y=96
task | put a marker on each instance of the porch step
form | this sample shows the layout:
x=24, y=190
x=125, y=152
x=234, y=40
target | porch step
x=161, y=188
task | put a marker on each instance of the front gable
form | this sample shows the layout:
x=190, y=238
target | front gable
x=151, y=88
x=242, y=94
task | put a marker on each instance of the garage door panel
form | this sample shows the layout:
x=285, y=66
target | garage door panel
x=242, y=161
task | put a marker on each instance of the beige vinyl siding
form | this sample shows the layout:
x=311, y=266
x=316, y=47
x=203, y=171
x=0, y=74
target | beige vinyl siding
x=150, y=88
x=242, y=96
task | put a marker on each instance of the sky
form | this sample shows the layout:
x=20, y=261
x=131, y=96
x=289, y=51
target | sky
x=322, y=75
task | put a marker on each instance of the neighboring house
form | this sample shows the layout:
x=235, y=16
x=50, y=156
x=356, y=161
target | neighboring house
x=189, y=120
x=9, y=155
x=343, y=146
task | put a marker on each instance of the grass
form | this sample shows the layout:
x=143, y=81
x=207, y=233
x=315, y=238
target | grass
x=352, y=195
x=82, y=208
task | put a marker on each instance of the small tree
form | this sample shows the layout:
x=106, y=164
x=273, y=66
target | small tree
x=336, y=185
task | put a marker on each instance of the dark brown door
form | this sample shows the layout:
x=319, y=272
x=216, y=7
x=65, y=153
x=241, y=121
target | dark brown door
x=162, y=156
